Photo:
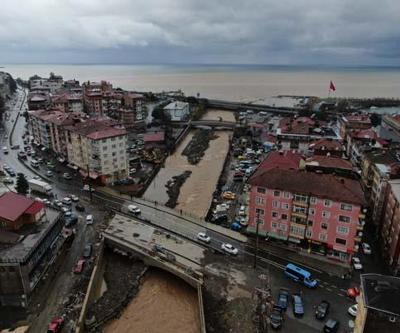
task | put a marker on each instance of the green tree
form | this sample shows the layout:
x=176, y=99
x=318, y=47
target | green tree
x=22, y=184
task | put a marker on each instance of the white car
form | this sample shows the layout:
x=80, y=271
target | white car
x=66, y=211
x=67, y=201
x=202, y=236
x=49, y=173
x=366, y=248
x=89, y=219
x=134, y=209
x=228, y=248
x=357, y=263
x=74, y=198
x=353, y=310
x=86, y=187
x=242, y=210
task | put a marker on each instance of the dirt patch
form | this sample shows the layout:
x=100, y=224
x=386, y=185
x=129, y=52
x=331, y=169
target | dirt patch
x=196, y=148
x=122, y=278
x=173, y=187
x=164, y=304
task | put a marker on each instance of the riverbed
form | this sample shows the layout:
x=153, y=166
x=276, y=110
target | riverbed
x=196, y=193
x=164, y=304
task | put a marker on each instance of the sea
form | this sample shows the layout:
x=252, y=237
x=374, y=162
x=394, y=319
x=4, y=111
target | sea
x=247, y=83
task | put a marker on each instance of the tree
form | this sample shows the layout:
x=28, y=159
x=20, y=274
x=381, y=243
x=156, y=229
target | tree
x=22, y=184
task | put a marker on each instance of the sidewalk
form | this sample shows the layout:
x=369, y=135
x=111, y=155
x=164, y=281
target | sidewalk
x=302, y=257
x=183, y=216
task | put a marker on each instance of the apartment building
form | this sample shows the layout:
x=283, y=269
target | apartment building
x=390, y=226
x=134, y=101
x=98, y=144
x=299, y=133
x=327, y=147
x=322, y=212
x=177, y=110
x=390, y=128
x=93, y=96
x=352, y=122
x=68, y=102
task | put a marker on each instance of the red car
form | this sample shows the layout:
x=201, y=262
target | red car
x=353, y=292
x=79, y=266
x=56, y=325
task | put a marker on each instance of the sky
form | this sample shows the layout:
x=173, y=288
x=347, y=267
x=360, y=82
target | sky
x=287, y=32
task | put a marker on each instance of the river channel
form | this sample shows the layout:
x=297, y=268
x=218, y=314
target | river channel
x=196, y=193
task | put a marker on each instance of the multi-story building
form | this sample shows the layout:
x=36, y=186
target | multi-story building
x=93, y=96
x=351, y=122
x=126, y=117
x=98, y=145
x=322, y=211
x=178, y=110
x=390, y=226
x=134, y=101
x=378, y=304
x=299, y=133
x=53, y=83
x=327, y=147
x=25, y=255
x=67, y=102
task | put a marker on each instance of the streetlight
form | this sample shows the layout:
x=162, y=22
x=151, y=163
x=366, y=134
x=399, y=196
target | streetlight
x=258, y=222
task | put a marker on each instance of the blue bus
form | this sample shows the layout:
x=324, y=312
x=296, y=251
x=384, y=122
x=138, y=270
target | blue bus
x=298, y=274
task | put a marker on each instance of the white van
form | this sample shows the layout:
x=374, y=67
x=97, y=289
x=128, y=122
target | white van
x=5, y=150
x=34, y=163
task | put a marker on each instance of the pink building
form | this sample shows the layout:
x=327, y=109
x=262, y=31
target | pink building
x=320, y=211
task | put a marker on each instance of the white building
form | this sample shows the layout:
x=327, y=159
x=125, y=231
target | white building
x=100, y=145
x=178, y=110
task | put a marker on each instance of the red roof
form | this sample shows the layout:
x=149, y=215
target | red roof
x=320, y=185
x=364, y=134
x=330, y=162
x=35, y=208
x=325, y=144
x=13, y=205
x=154, y=137
x=301, y=125
x=281, y=160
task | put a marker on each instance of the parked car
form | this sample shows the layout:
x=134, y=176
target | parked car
x=283, y=298
x=5, y=150
x=228, y=248
x=87, y=252
x=74, y=198
x=67, y=201
x=331, y=326
x=79, y=266
x=219, y=218
x=22, y=155
x=276, y=318
x=89, y=219
x=322, y=310
x=366, y=248
x=352, y=310
x=202, y=236
x=134, y=209
x=236, y=226
x=86, y=187
x=8, y=180
x=80, y=208
x=49, y=173
x=67, y=176
x=298, y=307
x=56, y=325
x=353, y=292
x=357, y=263
x=229, y=195
x=242, y=210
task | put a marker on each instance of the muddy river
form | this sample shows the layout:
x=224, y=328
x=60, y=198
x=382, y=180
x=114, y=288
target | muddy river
x=164, y=304
x=196, y=193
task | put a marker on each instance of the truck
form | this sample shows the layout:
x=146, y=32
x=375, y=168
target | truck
x=40, y=186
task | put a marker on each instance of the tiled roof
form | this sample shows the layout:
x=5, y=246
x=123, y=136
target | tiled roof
x=364, y=134
x=154, y=137
x=330, y=162
x=97, y=128
x=325, y=144
x=326, y=186
x=13, y=205
x=281, y=160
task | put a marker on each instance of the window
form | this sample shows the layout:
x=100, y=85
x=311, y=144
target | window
x=274, y=225
x=298, y=209
x=326, y=214
x=260, y=201
x=105, y=155
x=310, y=223
x=311, y=211
x=327, y=203
x=343, y=218
x=113, y=139
x=261, y=190
x=275, y=204
x=309, y=233
x=313, y=200
x=283, y=226
x=259, y=211
x=296, y=230
x=104, y=140
x=322, y=237
x=114, y=153
x=121, y=151
x=324, y=225
x=342, y=230
x=286, y=195
x=114, y=146
x=104, y=148
x=300, y=198
x=285, y=206
x=347, y=207
x=340, y=241
x=274, y=214
x=284, y=217
x=121, y=144
x=277, y=193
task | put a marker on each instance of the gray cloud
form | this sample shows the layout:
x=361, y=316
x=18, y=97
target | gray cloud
x=208, y=31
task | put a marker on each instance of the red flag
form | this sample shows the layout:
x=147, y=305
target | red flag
x=332, y=86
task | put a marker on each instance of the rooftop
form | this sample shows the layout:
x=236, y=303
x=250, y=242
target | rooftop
x=357, y=118
x=326, y=144
x=28, y=242
x=321, y=185
x=154, y=137
x=176, y=105
x=329, y=162
x=98, y=128
x=13, y=205
x=381, y=293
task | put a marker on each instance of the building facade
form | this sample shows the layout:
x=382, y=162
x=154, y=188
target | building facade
x=295, y=206
x=177, y=110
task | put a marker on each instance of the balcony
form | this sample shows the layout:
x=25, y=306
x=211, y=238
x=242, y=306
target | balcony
x=357, y=239
x=300, y=203
x=299, y=215
x=360, y=227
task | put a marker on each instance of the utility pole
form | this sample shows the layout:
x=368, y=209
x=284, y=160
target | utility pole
x=256, y=252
